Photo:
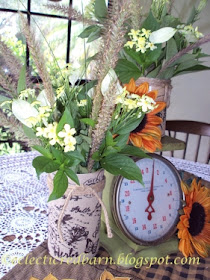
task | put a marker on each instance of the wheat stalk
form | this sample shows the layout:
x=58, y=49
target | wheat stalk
x=39, y=60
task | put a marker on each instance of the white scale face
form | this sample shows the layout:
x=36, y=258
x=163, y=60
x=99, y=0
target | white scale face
x=149, y=214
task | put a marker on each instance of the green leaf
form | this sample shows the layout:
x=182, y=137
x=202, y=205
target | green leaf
x=134, y=55
x=171, y=49
x=110, y=150
x=83, y=93
x=127, y=127
x=60, y=183
x=86, y=138
x=72, y=175
x=170, y=21
x=88, y=121
x=45, y=152
x=152, y=56
x=100, y=9
x=90, y=29
x=22, y=80
x=4, y=98
x=43, y=164
x=66, y=119
x=94, y=35
x=184, y=58
x=121, y=140
x=127, y=70
x=167, y=74
x=76, y=155
x=186, y=65
x=134, y=151
x=118, y=164
x=29, y=132
x=192, y=16
x=150, y=23
x=154, y=73
x=196, y=68
x=58, y=155
x=109, y=139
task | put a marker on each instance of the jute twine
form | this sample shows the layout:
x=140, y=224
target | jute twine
x=81, y=190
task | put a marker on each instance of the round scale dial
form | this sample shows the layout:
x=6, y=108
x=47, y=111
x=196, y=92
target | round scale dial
x=148, y=214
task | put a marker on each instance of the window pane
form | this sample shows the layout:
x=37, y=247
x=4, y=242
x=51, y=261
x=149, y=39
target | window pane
x=13, y=4
x=38, y=6
x=52, y=34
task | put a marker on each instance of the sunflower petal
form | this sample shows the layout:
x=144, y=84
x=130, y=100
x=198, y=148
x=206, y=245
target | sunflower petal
x=142, y=89
x=131, y=86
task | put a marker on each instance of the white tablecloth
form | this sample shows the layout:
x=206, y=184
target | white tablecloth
x=20, y=188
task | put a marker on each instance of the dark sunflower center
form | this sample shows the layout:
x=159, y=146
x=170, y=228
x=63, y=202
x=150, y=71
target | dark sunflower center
x=197, y=219
x=141, y=125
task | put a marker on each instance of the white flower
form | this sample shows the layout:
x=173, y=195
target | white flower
x=42, y=97
x=145, y=32
x=41, y=132
x=147, y=103
x=26, y=93
x=23, y=111
x=82, y=103
x=67, y=133
x=151, y=46
x=32, y=121
x=130, y=44
x=50, y=130
x=70, y=146
x=162, y=35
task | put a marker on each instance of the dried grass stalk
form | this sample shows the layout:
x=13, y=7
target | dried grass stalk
x=13, y=64
x=71, y=13
x=113, y=40
x=10, y=61
x=14, y=126
x=8, y=84
x=136, y=14
x=104, y=119
x=39, y=60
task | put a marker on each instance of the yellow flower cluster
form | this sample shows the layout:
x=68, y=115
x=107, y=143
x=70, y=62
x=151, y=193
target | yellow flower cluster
x=42, y=116
x=140, y=40
x=64, y=138
x=24, y=94
x=134, y=101
x=191, y=34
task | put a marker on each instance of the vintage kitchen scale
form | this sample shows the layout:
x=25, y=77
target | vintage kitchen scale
x=143, y=218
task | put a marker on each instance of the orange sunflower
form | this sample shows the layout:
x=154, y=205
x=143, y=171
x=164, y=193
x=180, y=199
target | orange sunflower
x=147, y=135
x=194, y=225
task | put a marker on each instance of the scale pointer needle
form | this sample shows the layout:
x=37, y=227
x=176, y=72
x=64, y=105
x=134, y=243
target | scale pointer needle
x=150, y=197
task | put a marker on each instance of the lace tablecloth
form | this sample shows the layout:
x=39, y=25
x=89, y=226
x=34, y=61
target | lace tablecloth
x=23, y=204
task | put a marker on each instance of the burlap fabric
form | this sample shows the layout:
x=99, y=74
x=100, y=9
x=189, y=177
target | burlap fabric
x=199, y=271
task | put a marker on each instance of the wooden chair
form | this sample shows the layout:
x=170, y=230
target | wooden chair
x=202, y=130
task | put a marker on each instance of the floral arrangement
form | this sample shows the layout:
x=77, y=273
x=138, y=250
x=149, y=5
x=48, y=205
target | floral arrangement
x=76, y=131
x=82, y=126
x=159, y=45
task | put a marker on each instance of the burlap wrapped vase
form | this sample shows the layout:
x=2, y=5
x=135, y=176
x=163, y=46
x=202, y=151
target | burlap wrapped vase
x=74, y=219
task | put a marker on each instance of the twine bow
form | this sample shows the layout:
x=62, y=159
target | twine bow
x=83, y=190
